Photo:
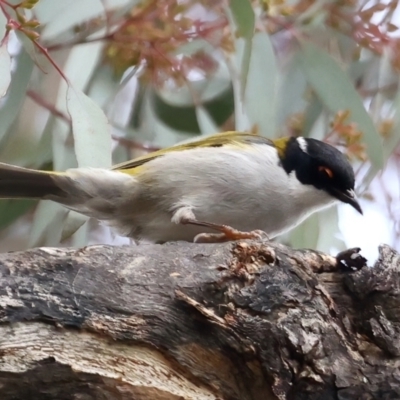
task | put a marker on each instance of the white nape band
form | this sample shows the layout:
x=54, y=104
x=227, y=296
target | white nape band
x=302, y=144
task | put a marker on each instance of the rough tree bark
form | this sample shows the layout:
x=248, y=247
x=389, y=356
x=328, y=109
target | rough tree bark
x=244, y=320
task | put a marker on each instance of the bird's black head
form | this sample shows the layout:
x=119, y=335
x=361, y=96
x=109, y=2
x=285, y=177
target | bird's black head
x=321, y=165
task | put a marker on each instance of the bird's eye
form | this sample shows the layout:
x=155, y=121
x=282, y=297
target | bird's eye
x=326, y=171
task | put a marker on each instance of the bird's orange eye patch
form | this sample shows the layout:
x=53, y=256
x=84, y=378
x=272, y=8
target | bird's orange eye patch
x=326, y=170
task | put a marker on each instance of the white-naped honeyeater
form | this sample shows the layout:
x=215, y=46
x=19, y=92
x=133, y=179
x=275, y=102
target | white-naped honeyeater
x=223, y=187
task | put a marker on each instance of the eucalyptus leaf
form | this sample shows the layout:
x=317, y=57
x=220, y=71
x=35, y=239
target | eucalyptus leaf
x=243, y=15
x=261, y=91
x=42, y=153
x=16, y=92
x=184, y=118
x=244, y=20
x=194, y=47
x=313, y=112
x=90, y=129
x=328, y=238
x=393, y=139
x=10, y=210
x=337, y=92
x=306, y=234
x=81, y=73
x=369, y=176
x=5, y=69
x=358, y=70
x=156, y=130
x=82, y=236
x=180, y=118
x=202, y=90
x=102, y=85
x=385, y=78
x=206, y=123
x=71, y=14
x=245, y=65
x=63, y=153
x=241, y=118
x=47, y=224
x=35, y=53
x=49, y=10
x=291, y=87
x=71, y=224
x=3, y=24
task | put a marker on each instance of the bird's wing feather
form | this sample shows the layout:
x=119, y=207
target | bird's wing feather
x=231, y=139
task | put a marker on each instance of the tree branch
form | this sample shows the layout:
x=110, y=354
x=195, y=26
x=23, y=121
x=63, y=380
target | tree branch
x=244, y=320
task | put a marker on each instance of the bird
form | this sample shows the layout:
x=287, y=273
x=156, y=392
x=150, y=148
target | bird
x=228, y=186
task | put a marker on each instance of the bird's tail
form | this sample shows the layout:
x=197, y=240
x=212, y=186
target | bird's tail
x=18, y=182
x=95, y=192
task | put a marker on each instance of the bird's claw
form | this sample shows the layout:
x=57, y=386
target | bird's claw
x=229, y=234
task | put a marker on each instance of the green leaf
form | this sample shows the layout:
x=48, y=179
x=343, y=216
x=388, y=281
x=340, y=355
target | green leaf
x=5, y=69
x=36, y=55
x=387, y=78
x=206, y=123
x=42, y=153
x=60, y=17
x=203, y=90
x=22, y=143
x=245, y=65
x=90, y=129
x=3, y=23
x=313, y=112
x=193, y=47
x=72, y=223
x=10, y=210
x=16, y=92
x=180, y=118
x=319, y=231
x=337, y=92
x=65, y=24
x=393, y=140
x=70, y=14
x=241, y=118
x=155, y=129
x=104, y=89
x=329, y=232
x=306, y=234
x=184, y=118
x=82, y=236
x=47, y=224
x=244, y=20
x=62, y=151
x=261, y=91
x=243, y=15
x=292, y=85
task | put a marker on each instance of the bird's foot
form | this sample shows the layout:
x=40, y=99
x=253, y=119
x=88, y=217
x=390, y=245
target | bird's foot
x=228, y=234
x=186, y=216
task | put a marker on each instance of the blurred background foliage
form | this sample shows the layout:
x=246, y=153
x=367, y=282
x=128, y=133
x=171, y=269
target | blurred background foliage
x=81, y=81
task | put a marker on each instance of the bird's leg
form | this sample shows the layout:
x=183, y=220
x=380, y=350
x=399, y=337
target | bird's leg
x=186, y=216
x=227, y=234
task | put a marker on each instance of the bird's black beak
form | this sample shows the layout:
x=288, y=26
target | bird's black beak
x=349, y=197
